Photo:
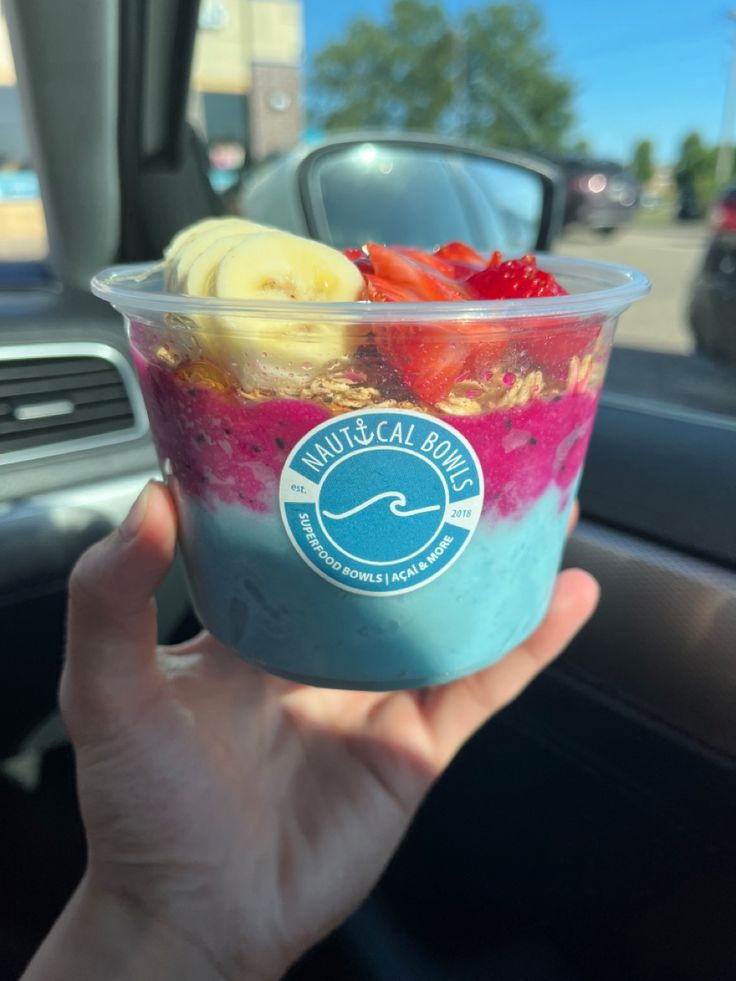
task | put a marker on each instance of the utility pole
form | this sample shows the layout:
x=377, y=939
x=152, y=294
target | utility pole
x=724, y=163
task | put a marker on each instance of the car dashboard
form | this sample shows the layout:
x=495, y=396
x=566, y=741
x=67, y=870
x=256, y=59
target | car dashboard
x=75, y=450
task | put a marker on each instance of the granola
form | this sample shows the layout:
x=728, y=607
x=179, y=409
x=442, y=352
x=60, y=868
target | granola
x=343, y=386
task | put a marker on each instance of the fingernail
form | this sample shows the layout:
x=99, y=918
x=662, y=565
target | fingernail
x=134, y=519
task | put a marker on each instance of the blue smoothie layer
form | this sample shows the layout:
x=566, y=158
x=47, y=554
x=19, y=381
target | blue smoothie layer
x=257, y=596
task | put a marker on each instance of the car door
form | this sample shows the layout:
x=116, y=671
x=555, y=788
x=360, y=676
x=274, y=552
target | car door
x=584, y=833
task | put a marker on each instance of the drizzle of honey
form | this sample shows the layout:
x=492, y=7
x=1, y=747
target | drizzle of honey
x=204, y=374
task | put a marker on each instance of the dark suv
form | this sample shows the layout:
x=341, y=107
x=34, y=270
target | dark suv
x=713, y=299
x=600, y=193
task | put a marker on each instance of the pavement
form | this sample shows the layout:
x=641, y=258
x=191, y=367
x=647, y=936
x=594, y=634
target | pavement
x=670, y=256
x=670, y=373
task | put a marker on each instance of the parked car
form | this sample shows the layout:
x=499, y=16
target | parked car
x=601, y=194
x=417, y=190
x=713, y=297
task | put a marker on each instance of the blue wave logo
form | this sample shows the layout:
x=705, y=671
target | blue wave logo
x=381, y=501
x=398, y=502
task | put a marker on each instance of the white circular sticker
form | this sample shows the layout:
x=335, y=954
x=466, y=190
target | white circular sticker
x=381, y=501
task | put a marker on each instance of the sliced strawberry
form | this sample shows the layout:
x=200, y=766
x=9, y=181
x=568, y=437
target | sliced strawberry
x=460, y=252
x=550, y=343
x=485, y=356
x=391, y=265
x=360, y=258
x=428, y=357
x=380, y=290
x=429, y=259
x=463, y=260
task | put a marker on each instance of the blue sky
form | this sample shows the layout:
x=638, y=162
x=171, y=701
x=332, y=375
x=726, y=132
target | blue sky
x=641, y=69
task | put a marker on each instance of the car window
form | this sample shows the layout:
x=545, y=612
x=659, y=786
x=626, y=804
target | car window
x=646, y=155
x=22, y=223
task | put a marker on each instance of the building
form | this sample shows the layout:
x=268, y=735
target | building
x=247, y=76
x=246, y=100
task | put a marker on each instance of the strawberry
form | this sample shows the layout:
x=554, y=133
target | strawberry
x=427, y=357
x=463, y=259
x=485, y=355
x=515, y=279
x=360, y=259
x=429, y=259
x=460, y=252
x=380, y=290
x=549, y=343
x=401, y=270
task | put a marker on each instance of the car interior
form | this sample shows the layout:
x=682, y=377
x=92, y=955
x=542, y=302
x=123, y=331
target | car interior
x=587, y=832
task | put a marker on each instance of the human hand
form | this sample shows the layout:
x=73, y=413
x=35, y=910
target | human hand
x=234, y=818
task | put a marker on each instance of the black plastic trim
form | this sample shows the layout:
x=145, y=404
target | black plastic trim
x=665, y=478
x=167, y=188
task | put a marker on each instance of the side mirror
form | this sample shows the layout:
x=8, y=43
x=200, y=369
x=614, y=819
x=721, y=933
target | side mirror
x=413, y=191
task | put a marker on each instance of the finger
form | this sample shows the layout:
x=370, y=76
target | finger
x=111, y=636
x=574, y=516
x=455, y=711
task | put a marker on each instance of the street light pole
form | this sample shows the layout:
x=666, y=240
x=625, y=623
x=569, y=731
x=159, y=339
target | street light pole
x=724, y=163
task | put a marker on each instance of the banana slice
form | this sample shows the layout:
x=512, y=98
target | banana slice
x=198, y=279
x=276, y=265
x=191, y=231
x=189, y=244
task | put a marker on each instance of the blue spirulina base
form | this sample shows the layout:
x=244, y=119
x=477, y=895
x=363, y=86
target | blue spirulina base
x=256, y=595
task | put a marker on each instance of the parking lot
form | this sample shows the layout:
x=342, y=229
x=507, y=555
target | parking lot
x=669, y=256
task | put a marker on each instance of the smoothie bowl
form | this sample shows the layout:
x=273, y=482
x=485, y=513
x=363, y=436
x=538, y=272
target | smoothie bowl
x=373, y=454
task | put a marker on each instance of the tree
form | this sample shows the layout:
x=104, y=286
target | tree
x=695, y=176
x=642, y=164
x=693, y=157
x=489, y=76
x=397, y=75
x=581, y=148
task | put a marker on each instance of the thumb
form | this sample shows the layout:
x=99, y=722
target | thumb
x=110, y=669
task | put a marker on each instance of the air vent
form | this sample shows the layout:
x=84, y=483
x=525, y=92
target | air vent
x=63, y=397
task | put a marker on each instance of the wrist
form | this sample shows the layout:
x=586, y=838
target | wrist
x=102, y=934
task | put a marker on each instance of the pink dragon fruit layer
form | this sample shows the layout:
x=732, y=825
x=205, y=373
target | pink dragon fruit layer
x=221, y=448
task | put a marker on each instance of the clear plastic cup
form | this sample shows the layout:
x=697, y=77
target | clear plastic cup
x=337, y=527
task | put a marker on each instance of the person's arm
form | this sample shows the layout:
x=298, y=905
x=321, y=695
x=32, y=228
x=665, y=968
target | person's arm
x=100, y=937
